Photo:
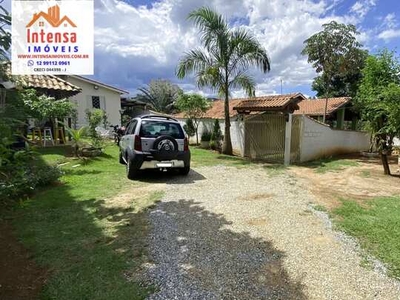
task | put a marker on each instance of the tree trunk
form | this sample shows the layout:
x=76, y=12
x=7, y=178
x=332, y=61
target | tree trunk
x=385, y=164
x=227, y=145
x=197, y=135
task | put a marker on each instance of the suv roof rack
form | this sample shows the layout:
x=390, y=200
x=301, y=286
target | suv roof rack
x=158, y=116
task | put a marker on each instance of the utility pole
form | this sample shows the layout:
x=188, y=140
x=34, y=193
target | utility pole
x=281, y=86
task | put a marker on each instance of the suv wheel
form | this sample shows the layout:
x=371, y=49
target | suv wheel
x=184, y=170
x=131, y=172
x=121, y=159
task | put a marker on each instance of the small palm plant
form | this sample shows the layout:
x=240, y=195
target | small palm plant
x=77, y=136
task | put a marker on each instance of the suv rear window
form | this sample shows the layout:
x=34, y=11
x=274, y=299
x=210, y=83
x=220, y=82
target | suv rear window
x=154, y=129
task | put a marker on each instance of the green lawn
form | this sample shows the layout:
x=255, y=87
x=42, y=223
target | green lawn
x=377, y=227
x=91, y=243
x=202, y=157
x=331, y=165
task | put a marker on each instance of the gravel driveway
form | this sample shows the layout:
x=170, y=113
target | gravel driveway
x=227, y=233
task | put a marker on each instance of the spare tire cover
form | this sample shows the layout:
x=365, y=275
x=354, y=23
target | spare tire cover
x=165, y=147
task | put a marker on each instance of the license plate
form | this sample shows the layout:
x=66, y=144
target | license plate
x=164, y=165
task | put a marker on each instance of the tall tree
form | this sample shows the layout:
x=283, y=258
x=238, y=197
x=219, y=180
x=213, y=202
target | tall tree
x=378, y=99
x=194, y=107
x=5, y=35
x=336, y=54
x=160, y=94
x=224, y=60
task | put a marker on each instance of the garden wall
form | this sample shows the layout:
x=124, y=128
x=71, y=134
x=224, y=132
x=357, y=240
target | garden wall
x=237, y=132
x=319, y=140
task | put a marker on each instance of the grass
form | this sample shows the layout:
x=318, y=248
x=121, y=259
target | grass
x=202, y=157
x=376, y=226
x=91, y=241
x=331, y=165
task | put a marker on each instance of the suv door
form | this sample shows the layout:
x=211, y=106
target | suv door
x=128, y=139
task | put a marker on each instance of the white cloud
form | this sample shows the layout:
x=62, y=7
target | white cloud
x=389, y=34
x=362, y=7
x=136, y=44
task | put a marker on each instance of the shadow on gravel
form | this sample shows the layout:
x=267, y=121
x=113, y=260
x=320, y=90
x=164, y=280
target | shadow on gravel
x=197, y=257
x=169, y=177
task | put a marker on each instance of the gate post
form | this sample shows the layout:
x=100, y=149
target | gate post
x=288, y=138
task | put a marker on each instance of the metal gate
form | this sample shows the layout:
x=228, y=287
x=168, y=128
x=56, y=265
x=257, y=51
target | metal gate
x=265, y=138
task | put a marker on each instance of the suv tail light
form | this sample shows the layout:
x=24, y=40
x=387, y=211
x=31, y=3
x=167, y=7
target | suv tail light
x=186, y=144
x=138, y=143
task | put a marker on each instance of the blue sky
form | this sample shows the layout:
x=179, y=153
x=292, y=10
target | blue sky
x=138, y=40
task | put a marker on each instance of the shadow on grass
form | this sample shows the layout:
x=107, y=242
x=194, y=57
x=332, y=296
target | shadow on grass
x=91, y=248
x=220, y=263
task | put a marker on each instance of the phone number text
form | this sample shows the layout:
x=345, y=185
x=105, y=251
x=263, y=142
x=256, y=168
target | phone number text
x=52, y=63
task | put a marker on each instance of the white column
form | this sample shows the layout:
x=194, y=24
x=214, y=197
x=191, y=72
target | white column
x=288, y=138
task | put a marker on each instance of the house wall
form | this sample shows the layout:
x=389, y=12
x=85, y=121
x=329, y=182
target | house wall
x=318, y=140
x=237, y=132
x=110, y=101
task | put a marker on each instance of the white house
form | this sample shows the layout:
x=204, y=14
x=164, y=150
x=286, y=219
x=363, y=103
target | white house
x=95, y=94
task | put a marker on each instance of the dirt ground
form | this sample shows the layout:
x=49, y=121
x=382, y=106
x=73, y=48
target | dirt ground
x=361, y=182
x=20, y=277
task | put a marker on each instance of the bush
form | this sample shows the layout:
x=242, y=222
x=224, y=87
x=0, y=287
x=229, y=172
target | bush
x=205, y=136
x=189, y=127
x=95, y=117
x=216, y=133
x=22, y=173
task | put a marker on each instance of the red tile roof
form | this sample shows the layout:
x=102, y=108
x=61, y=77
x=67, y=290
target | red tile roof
x=316, y=107
x=49, y=82
x=264, y=103
x=216, y=110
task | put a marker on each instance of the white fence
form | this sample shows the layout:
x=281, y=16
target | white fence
x=310, y=140
x=319, y=140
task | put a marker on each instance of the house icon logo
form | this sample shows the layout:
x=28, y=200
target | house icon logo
x=52, y=17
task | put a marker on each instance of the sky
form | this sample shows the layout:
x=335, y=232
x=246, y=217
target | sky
x=138, y=40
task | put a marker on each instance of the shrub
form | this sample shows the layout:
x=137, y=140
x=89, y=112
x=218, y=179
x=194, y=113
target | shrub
x=95, y=117
x=216, y=133
x=205, y=136
x=189, y=127
x=23, y=172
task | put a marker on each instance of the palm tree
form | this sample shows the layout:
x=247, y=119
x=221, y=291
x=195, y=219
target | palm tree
x=224, y=61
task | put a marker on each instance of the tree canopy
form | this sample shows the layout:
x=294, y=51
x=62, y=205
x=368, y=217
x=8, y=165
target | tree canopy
x=160, y=94
x=223, y=62
x=378, y=98
x=337, y=56
x=194, y=107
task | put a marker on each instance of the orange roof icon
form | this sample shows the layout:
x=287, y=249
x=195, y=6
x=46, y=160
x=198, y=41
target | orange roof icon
x=52, y=17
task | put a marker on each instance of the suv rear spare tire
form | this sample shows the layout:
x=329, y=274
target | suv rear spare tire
x=165, y=147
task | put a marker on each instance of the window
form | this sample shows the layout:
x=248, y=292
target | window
x=41, y=24
x=152, y=129
x=131, y=127
x=96, y=102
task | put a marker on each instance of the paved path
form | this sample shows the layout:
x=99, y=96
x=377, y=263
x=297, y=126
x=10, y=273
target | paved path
x=227, y=233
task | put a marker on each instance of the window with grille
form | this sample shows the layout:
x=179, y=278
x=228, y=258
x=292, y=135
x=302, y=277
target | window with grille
x=96, y=102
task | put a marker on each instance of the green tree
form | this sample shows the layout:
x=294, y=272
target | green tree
x=194, y=107
x=160, y=94
x=378, y=100
x=223, y=62
x=5, y=35
x=43, y=107
x=189, y=127
x=336, y=54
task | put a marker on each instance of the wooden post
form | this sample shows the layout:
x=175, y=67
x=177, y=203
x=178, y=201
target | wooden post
x=288, y=138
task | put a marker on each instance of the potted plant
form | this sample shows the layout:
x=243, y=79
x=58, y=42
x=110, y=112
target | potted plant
x=205, y=139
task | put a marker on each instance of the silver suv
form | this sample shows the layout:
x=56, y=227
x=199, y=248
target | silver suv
x=154, y=142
